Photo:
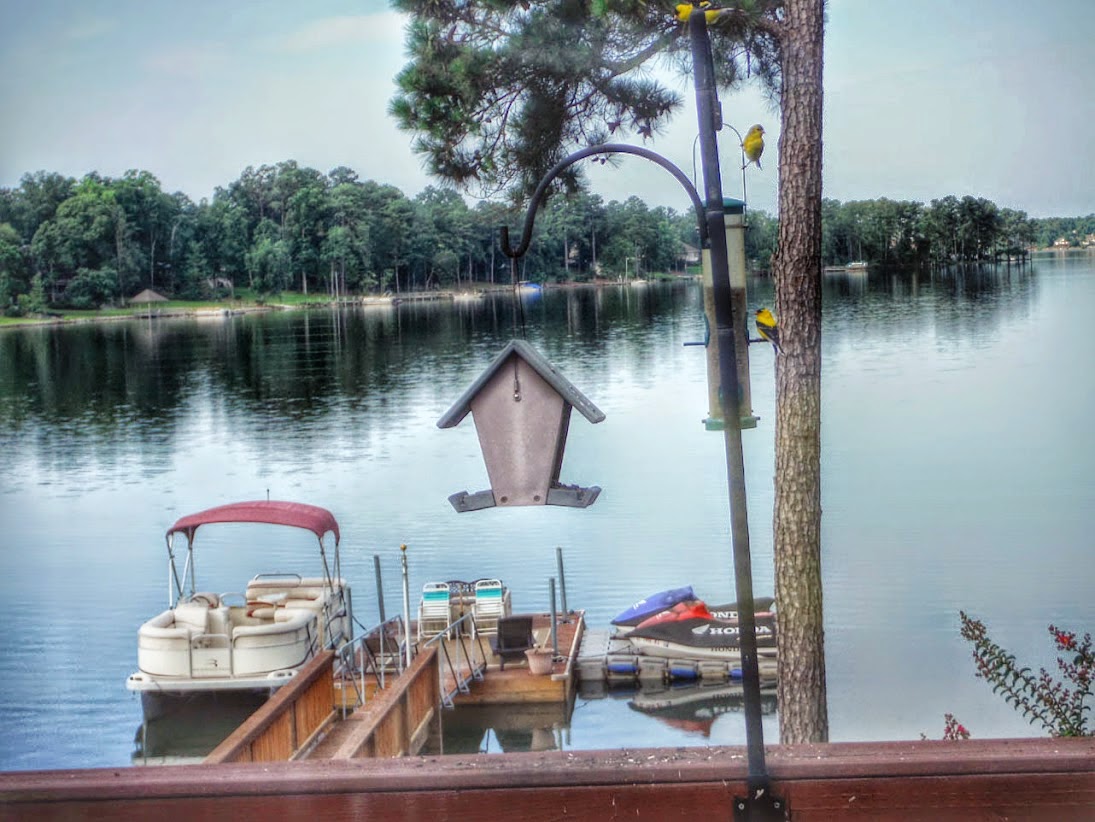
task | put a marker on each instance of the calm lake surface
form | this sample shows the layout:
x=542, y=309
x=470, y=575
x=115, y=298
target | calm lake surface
x=958, y=473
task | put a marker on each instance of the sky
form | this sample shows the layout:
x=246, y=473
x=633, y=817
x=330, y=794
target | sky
x=923, y=98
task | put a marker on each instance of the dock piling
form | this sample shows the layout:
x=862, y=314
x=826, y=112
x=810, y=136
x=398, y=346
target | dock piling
x=562, y=578
x=554, y=620
x=379, y=589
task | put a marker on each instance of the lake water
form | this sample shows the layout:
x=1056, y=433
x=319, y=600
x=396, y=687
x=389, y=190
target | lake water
x=958, y=473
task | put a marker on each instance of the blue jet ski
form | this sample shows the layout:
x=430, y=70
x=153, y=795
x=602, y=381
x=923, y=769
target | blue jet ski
x=653, y=604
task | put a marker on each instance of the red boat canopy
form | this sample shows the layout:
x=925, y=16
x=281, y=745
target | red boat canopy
x=296, y=514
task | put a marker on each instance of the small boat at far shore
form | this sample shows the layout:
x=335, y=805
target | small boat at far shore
x=854, y=267
x=256, y=639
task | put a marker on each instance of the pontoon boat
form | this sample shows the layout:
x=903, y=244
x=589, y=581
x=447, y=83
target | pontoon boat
x=256, y=639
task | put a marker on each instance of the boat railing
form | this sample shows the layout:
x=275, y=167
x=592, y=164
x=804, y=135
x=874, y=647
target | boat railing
x=338, y=618
x=459, y=662
x=374, y=654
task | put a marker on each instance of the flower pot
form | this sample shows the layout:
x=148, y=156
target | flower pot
x=540, y=660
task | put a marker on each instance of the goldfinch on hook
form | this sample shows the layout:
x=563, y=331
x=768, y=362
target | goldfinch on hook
x=684, y=11
x=753, y=144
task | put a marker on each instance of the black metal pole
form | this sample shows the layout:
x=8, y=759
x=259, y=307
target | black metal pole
x=379, y=588
x=562, y=578
x=708, y=110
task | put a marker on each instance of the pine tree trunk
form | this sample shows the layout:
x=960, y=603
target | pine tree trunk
x=803, y=711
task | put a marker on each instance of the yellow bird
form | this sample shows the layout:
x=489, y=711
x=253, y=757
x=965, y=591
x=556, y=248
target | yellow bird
x=766, y=327
x=754, y=145
x=684, y=11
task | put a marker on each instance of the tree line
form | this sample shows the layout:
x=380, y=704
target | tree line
x=99, y=240
x=947, y=230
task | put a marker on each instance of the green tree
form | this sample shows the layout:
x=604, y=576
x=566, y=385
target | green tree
x=34, y=301
x=346, y=248
x=300, y=197
x=761, y=234
x=87, y=232
x=498, y=92
x=91, y=288
x=149, y=214
x=1016, y=232
x=269, y=262
x=35, y=201
x=196, y=275
x=13, y=269
x=939, y=226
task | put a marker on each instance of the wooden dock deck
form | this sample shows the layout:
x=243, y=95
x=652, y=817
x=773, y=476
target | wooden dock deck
x=308, y=719
x=491, y=684
x=514, y=684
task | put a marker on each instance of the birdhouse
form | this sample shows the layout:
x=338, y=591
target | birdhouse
x=521, y=407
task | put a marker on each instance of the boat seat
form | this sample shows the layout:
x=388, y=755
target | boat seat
x=271, y=633
x=194, y=615
x=313, y=605
x=514, y=637
x=207, y=598
x=218, y=621
x=287, y=614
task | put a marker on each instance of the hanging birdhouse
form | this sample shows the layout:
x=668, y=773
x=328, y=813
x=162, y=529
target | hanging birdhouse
x=521, y=407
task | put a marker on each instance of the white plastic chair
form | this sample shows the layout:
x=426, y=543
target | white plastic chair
x=491, y=603
x=433, y=610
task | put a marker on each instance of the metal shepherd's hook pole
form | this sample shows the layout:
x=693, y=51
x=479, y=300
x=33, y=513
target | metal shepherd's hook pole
x=709, y=121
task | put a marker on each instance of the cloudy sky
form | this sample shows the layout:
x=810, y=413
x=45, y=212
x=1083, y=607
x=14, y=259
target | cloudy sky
x=923, y=98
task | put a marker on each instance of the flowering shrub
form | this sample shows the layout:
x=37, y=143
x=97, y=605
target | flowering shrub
x=953, y=729
x=1059, y=708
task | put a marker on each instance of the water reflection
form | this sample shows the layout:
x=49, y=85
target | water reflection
x=120, y=389
x=955, y=474
x=189, y=728
x=693, y=708
x=471, y=729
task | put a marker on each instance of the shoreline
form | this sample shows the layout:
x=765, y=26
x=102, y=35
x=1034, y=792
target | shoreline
x=216, y=310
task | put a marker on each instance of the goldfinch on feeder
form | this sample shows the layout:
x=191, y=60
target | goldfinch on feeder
x=766, y=327
x=754, y=145
x=684, y=11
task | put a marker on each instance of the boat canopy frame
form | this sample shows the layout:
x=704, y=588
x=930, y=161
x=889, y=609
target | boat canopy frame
x=312, y=518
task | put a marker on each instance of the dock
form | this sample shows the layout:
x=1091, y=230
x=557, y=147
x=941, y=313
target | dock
x=513, y=684
x=317, y=716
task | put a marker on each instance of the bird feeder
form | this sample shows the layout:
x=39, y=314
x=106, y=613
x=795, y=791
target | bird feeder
x=521, y=407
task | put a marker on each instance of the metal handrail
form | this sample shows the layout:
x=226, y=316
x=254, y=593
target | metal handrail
x=356, y=658
x=351, y=661
x=475, y=673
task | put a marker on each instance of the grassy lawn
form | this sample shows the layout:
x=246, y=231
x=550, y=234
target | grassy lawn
x=245, y=298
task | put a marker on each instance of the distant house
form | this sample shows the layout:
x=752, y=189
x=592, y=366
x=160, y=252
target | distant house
x=690, y=255
x=1061, y=242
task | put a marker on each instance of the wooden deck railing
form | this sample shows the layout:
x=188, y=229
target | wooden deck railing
x=288, y=722
x=1017, y=779
x=396, y=721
